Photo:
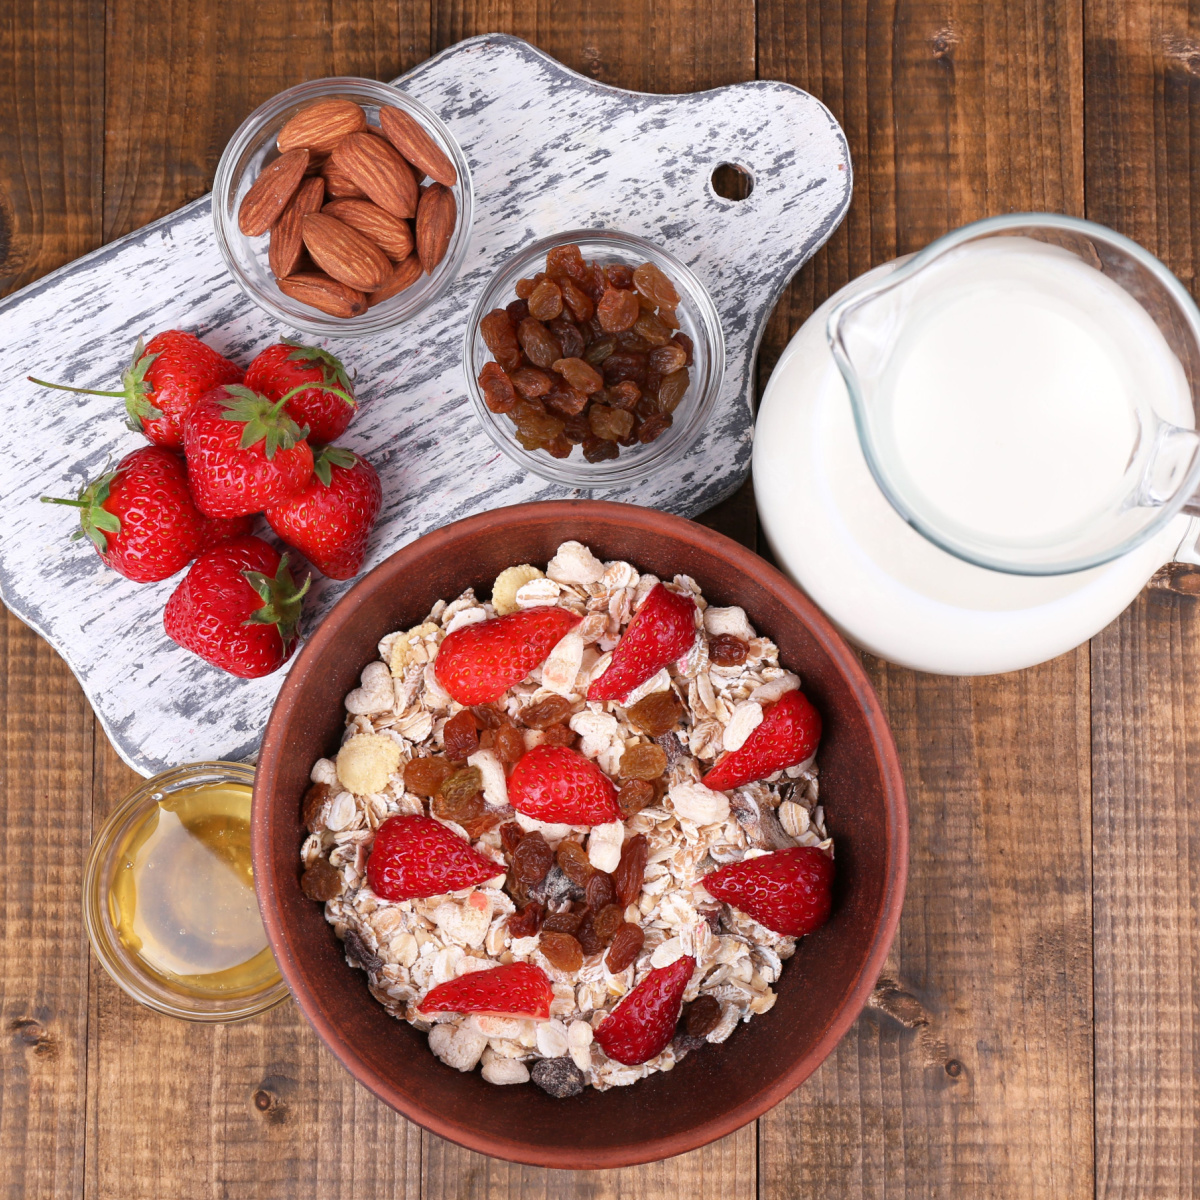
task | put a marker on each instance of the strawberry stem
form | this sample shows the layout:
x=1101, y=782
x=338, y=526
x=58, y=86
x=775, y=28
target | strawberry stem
x=63, y=387
x=304, y=387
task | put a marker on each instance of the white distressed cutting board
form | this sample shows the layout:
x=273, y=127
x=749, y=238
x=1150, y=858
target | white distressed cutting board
x=549, y=150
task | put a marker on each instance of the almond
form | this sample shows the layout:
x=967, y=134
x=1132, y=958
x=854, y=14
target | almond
x=344, y=253
x=319, y=291
x=405, y=275
x=417, y=145
x=390, y=234
x=375, y=166
x=320, y=126
x=435, y=224
x=287, y=243
x=339, y=184
x=270, y=192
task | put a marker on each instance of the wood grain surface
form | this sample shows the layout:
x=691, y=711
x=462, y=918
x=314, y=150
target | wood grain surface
x=1037, y=1032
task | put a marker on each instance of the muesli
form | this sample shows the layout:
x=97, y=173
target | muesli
x=605, y=928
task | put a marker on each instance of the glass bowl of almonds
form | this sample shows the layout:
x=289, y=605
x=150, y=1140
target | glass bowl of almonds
x=594, y=358
x=343, y=207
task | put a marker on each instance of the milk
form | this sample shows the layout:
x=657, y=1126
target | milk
x=1013, y=402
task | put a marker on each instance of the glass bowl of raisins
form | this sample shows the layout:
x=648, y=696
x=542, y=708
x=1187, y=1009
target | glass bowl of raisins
x=594, y=358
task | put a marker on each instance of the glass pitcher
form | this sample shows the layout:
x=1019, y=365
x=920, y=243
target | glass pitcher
x=1026, y=392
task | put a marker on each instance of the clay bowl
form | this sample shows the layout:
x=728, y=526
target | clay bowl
x=712, y=1092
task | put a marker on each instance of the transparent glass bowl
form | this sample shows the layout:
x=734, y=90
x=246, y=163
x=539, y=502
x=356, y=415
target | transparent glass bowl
x=698, y=319
x=253, y=145
x=105, y=861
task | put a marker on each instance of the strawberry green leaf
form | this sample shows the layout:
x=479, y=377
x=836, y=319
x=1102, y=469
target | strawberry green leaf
x=328, y=458
x=264, y=420
x=95, y=521
x=282, y=600
x=331, y=367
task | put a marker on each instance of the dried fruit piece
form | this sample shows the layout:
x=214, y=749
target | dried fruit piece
x=652, y=331
x=727, y=650
x=626, y=946
x=314, y=800
x=624, y=395
x=634, y=796
x=655, y=286
x=631, y=870
x=573, y=862
x=374, y=166
x=587, y=937
x=682, y=339
x=558, y=1077
x=498, y=392
x=509, y=744
x=566, y=261
x=539, y=344
x=320, y=126
x=287, y=242
x=619, y=275
x=598, y=449
x=525, y=922
x=425, y=776
x=343, y=253
x=545, y=301
x=417, y=145
x=510, y=836
x=653, y=427
x=657, y=713
x=611, y=424
x=486, y=717
x=322, y=881
x=625, y=364
x=328, y=295
x=500, y=337
x=672, y=389
x=562, y=951
x=269, y=194
x=578, y=302
x=566, y=922
x=644, y=761
x=617, y=310
x=460, y=736
x=459, y=806
x=599, y=890
x=702, y=1016
x=579, y=374
x=532, y=859
x=668, y=358
x=437, y=214
x=558, y=735
x=404, y=276
x=564, y=399
x=569, y=336
x=599, y=350
x=531, y=383
x=389, y=233
x=546, y=712
x=462, y=784
x=607, y=922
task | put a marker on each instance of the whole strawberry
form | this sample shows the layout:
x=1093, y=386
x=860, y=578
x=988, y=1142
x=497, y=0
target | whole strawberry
x=330, y=519
x=516, y=990
x=787, y=735
x=476, y=663
x=789, y=891
x=237, y=608
x=141, y=517
x=414, y=857
x=244, y=453
x=642, y=1025
x=163, y=381
x=326, y=406
x=662, y=631
x=557, y=784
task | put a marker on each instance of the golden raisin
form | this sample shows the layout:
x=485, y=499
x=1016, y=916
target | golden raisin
x=545, y=301
x=525, y=922
x=634, y=796
x=579, y=375
x=566, y=261
x=531, y=383
x=654, y=426
x=607, y=921
x=562, y=951
x=573, y=862
x=703, y=1016
x=727, y=650
x=559, y=735
x=577, y=300
x=667, y=358
x=500, y=337
x=458, y=806
x=476, y=827
x=314, y=801
x=644, y=761
x=567, y=922
x=460, y=736
x=671, y=390
x=617, y=310
x=599, y=890
x=546, y=712
x=654, y=285
x=656, y=713
x=486, y=717
x=509, y=744
x=425, y=776
x=464, y=783
x=540, y=345
x=619, y=275
x=497, y=388
x=322, y=881
x=631, y=870
x=532, y=859
x=626, y=946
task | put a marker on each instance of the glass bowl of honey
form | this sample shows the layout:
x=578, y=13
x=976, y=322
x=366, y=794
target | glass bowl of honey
x=169, y=902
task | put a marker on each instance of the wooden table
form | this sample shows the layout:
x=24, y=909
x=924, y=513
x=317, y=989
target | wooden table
x=1038, y=1028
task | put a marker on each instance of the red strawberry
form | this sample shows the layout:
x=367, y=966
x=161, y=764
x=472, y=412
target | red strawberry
x=163, y=381
x=330, y=520
x=662, y=631
x=557, y=784
x=237, y=608
x=789, y=891
x=141, y=517
x=327, y=408
x=244, y=453
x=215, y=530
x=788, y=734
x=643, y=1024
x=517, y=990
x=476, y=663
x=415, y=857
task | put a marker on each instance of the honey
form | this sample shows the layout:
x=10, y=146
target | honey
x=181, y=898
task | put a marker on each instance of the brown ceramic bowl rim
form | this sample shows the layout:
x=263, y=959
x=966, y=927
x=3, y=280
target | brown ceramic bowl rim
x=721, y=1123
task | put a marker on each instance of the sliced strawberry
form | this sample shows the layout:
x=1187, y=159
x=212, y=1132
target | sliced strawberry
x=643, y=1024
x=557, y=784
x=789, y=891
x=663, y=630
x=476, y=663
x=414, y=857
x=788, y=734
x=517, y=990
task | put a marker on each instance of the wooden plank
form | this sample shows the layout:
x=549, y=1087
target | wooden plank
x=1142, y=62
x=52, y=68
x=684, y=46
x=983, y=1084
